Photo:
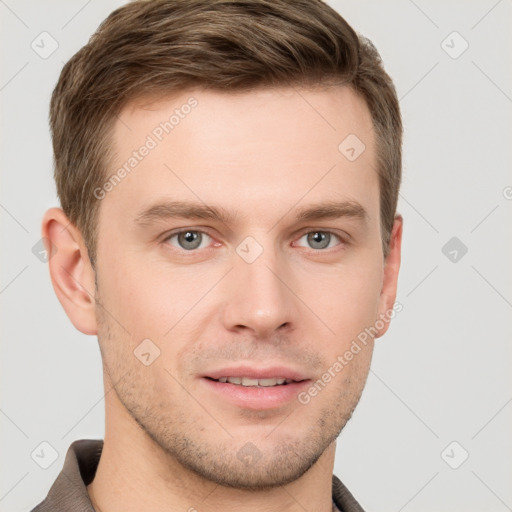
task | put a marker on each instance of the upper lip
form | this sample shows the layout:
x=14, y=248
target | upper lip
x=257, y=373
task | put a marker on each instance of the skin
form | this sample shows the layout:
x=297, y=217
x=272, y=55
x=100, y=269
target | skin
x=261, y=156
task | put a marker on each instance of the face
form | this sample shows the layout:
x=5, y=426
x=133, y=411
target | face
x=245, y=248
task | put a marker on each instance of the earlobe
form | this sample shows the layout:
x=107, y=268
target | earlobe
x=390, y=280
x=70, y=270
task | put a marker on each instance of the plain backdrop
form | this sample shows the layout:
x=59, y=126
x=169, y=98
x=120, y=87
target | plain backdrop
x=433, y=429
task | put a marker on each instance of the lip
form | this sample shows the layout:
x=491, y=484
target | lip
x=257, y=373
x=255, y=397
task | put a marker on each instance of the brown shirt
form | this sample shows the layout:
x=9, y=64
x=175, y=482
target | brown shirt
x=69, y=491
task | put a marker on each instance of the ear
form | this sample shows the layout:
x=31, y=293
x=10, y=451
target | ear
x=71, y=271
x=390, y=279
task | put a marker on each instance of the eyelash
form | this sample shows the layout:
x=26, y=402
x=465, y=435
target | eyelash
x=342, y=241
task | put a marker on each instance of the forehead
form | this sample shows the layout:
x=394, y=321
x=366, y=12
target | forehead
x=319, y=116
x=252, y=149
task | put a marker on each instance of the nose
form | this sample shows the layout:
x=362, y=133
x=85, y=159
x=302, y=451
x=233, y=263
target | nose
x=260, y=297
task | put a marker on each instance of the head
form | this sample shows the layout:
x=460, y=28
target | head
x=213, y=219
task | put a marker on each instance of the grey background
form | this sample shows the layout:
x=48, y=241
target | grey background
x=441, y=374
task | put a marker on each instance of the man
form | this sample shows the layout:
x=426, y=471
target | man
x=228, y=174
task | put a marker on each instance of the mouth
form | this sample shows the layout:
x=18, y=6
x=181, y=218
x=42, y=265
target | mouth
x=257, y=389
x=251, y=382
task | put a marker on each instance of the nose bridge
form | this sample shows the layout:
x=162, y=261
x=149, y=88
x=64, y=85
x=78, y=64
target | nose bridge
x=258, y=297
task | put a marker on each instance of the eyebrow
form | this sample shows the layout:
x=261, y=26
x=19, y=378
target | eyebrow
x=183, y=210
x=333, y=210
x=190, y=210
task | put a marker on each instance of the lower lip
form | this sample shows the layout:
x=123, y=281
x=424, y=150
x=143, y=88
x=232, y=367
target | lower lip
x=256, y=397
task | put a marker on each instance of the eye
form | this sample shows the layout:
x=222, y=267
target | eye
x=320, y=239
x=189, y=240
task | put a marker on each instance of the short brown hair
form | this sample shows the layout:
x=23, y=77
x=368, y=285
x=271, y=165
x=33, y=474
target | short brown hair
x=157, y=47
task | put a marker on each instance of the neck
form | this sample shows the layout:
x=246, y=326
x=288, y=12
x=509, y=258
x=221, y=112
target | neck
x=134, y=474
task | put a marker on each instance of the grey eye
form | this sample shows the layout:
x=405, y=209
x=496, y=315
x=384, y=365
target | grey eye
x=189, y=240
x=319, y=239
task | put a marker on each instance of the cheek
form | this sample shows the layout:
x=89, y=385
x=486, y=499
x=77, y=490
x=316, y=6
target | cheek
x=136, y=293
x=346, y=298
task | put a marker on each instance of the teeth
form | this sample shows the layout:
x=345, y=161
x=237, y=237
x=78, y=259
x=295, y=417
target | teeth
x=267, y=382
x=247, y=381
